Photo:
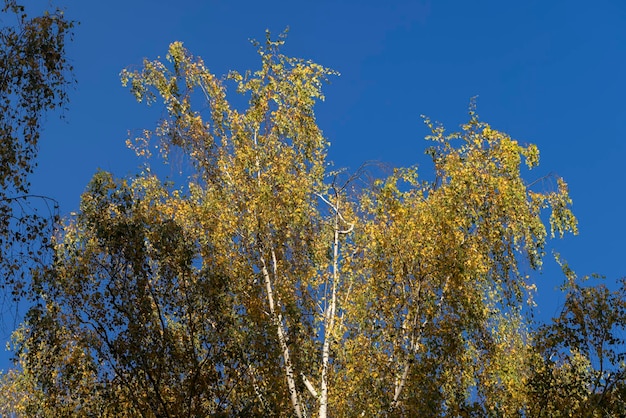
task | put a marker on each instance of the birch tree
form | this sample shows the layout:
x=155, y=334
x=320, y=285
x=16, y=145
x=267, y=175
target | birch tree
x=443, y=279
x=259, y=204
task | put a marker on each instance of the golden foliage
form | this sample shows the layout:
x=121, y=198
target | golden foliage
x=267, y=286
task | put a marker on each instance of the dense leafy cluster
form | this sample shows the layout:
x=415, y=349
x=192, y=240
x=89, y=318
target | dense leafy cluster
x=270, y=286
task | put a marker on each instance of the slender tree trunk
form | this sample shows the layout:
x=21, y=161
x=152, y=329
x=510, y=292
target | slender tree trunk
x=277, y=318
x=329, y=323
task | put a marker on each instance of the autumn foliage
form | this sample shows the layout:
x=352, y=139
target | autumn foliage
x=267, y=285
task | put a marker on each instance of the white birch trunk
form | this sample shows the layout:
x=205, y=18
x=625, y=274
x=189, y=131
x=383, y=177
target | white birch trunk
x=329, y=323
x=277, y=318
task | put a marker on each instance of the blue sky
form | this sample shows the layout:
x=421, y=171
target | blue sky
x=546, y=72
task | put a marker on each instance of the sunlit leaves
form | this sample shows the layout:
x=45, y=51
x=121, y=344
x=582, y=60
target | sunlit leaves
x=441, y=275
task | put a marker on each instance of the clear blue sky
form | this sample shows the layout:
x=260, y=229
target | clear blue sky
x=551, y=73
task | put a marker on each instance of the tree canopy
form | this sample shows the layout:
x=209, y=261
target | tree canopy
x=269, y=285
